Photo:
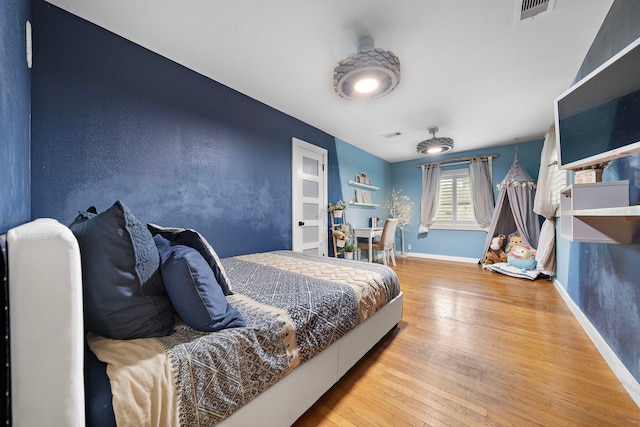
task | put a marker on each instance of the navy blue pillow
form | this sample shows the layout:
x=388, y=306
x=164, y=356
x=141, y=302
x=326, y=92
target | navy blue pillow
x=193, y=289
x=84, y=216
x=123, y=293
x=193, y=239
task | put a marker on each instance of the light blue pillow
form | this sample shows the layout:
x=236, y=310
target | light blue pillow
x=193, y=289
x=124, y=297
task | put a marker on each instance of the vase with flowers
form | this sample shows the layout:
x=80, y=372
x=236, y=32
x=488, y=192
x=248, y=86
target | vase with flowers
x=337, y=208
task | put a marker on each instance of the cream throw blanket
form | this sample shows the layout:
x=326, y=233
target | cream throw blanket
x=143, y=376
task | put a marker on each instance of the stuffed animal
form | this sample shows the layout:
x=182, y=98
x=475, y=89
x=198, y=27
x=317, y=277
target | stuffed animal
x=515, y=239
x=340, y=235
x=522, y=256
x=495, y=252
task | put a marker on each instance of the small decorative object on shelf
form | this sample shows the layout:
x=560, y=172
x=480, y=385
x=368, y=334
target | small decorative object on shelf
x=589, y=174
x=364, y=197
x=368, y=199
x=338, y=206
x=341, y=237
x=362, y=178
x=400, y=207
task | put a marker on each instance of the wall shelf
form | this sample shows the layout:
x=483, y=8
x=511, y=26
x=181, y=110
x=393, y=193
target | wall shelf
x=599, y=213
x=357, y=184
x=363, y=197
x=373, y=205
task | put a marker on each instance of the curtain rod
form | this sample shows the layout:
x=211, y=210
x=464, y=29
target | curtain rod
x=459, y=159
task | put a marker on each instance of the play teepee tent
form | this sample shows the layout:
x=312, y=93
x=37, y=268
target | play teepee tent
x=514, y=208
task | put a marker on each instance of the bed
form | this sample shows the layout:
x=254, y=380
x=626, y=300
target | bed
x=311, y=319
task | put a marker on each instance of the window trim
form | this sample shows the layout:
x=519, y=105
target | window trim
x=557, y=183
x=446, y=225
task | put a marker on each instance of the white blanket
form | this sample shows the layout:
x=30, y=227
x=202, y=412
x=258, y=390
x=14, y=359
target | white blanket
x=509, y=270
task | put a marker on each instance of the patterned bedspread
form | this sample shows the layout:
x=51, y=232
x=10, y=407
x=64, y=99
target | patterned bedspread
x=294, y=306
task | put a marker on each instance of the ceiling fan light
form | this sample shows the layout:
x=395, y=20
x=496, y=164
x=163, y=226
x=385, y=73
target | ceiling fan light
x=366, y=85
x=380, y=69
x=435, y=145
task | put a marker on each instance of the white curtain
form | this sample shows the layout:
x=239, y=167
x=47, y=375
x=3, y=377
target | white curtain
x=544, y=204
x=481, y=191
x=431, y=174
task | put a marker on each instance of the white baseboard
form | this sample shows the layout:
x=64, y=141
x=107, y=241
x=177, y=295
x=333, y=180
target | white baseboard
x=628, y=381
x=441, y=257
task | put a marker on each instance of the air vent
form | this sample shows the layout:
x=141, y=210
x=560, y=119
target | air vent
x=391, y=135
x=529, y=8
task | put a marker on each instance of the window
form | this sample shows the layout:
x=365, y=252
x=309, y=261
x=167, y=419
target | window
x=558, y=181
x=455, y=208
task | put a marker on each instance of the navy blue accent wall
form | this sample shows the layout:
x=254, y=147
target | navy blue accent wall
x=15, y=105
x=603, y=279
x=112, y=120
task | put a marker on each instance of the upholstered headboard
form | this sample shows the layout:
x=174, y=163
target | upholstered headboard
x=46, y=328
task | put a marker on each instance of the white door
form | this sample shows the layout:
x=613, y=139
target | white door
x=308, y=198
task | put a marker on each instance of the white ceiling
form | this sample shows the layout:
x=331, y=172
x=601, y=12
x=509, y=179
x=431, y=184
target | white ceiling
x=468, y=66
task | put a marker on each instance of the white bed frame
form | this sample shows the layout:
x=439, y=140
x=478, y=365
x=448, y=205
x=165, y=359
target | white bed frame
x=47, y=340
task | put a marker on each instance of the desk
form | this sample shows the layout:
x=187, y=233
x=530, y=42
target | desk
x=368, y=233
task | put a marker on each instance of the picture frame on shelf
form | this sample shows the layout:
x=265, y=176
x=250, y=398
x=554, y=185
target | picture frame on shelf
x=368, y=198
x=362, y=178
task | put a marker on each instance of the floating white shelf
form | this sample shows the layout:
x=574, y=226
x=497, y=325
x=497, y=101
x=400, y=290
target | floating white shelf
x=357, y=184
x=366, y=196
x=363, y=204
x=596, y=213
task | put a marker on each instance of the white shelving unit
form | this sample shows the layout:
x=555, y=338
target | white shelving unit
x=370, y=187
x=365, y=186
x=338, y=222
x=598, y=212
x=363, y=204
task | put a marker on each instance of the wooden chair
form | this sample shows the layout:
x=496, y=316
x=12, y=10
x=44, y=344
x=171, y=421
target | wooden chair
x=386, y=243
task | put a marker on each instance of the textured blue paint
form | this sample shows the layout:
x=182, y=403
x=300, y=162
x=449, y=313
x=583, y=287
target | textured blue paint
x=609, y=296
x=112, y=120
x=603, y=279
x=354, y=160
x=15, y=104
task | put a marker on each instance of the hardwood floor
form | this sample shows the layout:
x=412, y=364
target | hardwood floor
x=476, y=348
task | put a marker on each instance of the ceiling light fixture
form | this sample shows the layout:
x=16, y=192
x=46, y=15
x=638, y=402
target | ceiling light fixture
x=435, y=145
x=368, y=74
